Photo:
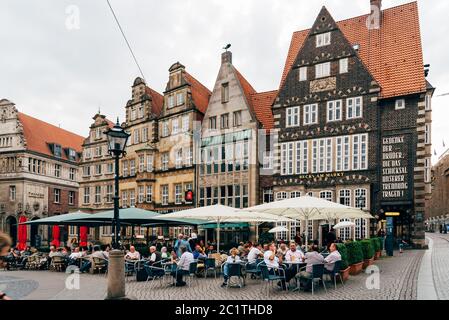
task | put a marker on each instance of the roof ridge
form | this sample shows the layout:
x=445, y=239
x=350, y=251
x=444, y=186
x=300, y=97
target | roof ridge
x=364, y=15
x=199, y=82
x=50, y=124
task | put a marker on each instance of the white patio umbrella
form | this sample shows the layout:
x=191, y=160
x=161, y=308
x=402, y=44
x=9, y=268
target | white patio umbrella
x=278, y=229
x=221, y=214
x=344, y=224
x=310, y=208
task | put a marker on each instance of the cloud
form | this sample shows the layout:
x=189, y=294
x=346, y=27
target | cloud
x=64, y=76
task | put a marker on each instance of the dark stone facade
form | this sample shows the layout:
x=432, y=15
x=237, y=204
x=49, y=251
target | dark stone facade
x=380, y=120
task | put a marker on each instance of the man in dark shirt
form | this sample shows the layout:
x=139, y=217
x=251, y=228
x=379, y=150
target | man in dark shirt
x=331, y=237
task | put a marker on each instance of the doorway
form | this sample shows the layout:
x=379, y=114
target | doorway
x=324, y=232
x=11, y=227
x=34, y=231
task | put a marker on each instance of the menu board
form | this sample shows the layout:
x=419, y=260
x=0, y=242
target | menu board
x=396, y=168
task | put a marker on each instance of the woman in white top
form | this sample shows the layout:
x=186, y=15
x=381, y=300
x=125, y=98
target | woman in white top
x=233, y=258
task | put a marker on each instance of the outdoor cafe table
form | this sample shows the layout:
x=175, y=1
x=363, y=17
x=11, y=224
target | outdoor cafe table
x=298, y=265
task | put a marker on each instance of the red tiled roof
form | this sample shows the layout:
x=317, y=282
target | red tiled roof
x=200, y=94
x=392, y=54
x=246, y=86
x=262, y=103
x=38, y=134
x=158, y=100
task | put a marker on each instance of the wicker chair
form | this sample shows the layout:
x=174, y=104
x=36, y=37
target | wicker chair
x=57, y=263
x=99, y=264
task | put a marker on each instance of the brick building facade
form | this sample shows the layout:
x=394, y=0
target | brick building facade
x=352, y=129
x=38, y=172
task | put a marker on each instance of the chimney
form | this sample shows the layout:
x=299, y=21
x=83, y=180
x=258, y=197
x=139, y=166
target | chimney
x=226, y=57
x=375, y=18
x=376, y=3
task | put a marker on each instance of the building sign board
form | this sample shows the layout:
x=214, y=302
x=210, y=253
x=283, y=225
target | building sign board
x=397, y=168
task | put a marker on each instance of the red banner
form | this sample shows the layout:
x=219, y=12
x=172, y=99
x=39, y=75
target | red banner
x=56, y=234
x=83, y=236
x=22, y=236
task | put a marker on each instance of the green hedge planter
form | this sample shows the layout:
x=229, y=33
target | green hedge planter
x=355, y=257
x=344, y=271
x=368, y=253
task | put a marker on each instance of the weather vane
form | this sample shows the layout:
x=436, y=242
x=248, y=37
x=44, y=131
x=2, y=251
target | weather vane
x=227, y=47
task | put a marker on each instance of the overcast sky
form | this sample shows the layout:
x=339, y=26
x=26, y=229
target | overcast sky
x=64, y=75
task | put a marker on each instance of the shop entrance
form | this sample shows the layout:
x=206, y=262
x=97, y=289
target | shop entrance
x=11, y=227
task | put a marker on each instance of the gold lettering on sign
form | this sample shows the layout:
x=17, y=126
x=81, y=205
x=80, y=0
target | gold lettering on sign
x=394, y=168
x=326, y=84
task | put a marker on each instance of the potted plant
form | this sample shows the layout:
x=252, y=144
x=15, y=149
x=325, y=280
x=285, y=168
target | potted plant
x=368, y=253
x=344, y=270
x=376, y=246
x=355, y=257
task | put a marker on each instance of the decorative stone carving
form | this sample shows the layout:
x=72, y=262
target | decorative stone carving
x=326, y=84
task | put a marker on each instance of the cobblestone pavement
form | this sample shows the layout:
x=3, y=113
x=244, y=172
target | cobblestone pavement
x=440, y=264
x=397, y=281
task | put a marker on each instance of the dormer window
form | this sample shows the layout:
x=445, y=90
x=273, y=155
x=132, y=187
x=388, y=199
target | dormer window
x=57, y=150
x=323, y=39
x=72, y=154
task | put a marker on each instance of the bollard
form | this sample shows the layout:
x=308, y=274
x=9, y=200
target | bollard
x=116, y=276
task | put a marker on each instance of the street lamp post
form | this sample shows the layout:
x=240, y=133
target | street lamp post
x=117, y=139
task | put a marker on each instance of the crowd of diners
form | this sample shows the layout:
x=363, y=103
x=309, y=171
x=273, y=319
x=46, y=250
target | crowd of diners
x=185, y=250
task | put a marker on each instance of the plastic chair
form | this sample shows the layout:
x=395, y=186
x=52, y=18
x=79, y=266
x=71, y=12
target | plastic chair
x=209, y=265
x=153, y=274
x=317, y=276
x=335, y=273
x=235, y=270
x=193, y=268
x=253, y=268
x=270, y=278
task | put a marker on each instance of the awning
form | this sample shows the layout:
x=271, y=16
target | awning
x=225, y=226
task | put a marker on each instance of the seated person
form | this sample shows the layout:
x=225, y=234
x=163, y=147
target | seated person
x=255, y=251
x=274, y=262
x=106, y=251
x=132, y=254
x=199, y=253
x=97, y=253
x=294, y=254
x=283, y=249
x=333, y=257
x=312, y=257
x=164, y=253
x=155, y=257
x=233, y=258
x=75, y=255
x=183, y=266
